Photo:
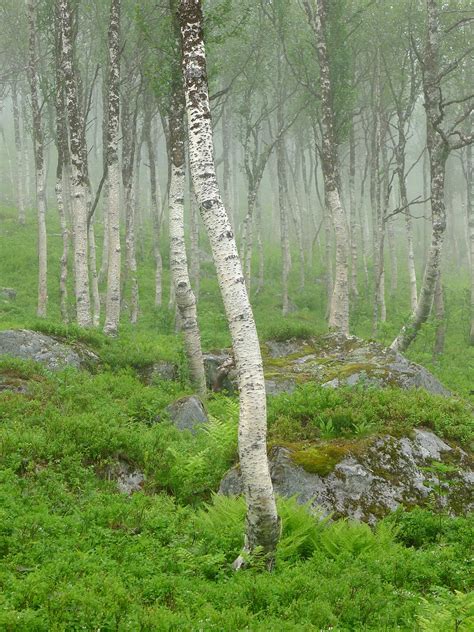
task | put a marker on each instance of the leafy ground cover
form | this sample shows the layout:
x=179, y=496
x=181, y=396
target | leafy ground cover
x=77, y=555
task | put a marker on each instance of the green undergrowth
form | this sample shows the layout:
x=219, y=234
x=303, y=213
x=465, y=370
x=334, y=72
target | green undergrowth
x=75, y=554
x=313, y=412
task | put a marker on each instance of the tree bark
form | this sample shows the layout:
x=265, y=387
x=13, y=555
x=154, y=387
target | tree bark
x=438, y=149
x=19, y=156
x=184, y=295
x=339, y=307
x=38, y=142
x=470, y=211
x=129, y=136
x=62, y=172
x=79, y=174
x=262, y=519
x=112, y=304
x=155, y=207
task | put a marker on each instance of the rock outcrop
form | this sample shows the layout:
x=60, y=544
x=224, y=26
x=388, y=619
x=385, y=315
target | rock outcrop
x=335, y=360
x=367, y=479
x=52, y=353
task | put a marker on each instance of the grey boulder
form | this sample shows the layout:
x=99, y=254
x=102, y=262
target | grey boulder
x=371, y=480
x=54, y=354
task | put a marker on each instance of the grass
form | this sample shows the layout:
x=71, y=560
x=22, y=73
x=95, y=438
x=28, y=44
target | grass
x=77, y=555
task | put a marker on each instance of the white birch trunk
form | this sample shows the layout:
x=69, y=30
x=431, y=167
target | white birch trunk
x=19, y=156
x=112, y=302
x=438, y=149
x=262, y=519
x=79, y=176
x=38, y=142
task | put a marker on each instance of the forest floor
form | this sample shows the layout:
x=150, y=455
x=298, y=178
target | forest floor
x=77, y=555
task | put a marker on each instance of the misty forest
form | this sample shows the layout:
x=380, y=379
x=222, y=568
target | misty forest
x=236, y=315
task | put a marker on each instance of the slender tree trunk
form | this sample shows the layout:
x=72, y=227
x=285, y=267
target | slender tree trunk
x=353, y=209
x=105, y=194
x=282, y=204
x=400, y=158
x=79, y=175
x=185, y=300
x=112, y=304
x=194, y=259
x=439, y=313
x=19, y=156
x=262, y=519
x=129, y=133
x=470, y=210
x=155, y=208
x=438, y=149
x=339, y=308
x=62, y=173
x=38, y=142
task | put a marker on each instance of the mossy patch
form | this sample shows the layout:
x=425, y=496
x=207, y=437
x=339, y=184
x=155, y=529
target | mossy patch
x=322, y=457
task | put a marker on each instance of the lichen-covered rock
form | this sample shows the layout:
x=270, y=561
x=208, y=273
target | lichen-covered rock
x=128, y=478
x=187, y=413
x=160, y=370
x=334, y=360
x=367, y=479
x=52, y=353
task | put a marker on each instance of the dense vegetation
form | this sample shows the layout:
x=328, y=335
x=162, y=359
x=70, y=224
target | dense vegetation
x=77, y=555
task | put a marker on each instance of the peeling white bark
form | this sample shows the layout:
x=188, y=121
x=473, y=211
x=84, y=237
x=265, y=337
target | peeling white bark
x=262, y=519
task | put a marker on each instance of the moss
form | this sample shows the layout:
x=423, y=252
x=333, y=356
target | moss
x=322, y=457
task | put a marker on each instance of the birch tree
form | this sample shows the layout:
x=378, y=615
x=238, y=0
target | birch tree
x=38, y=144
x=112, y=304
x=79, y=172
x=339, y=307
x=441, y=139
x=262, y=519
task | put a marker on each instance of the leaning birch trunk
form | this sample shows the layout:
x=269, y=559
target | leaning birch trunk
x=262, y=518
x=19, y=156
x=79, y=175
x=112, y=303
x=38, y=142
x=339, y=306
x=184, y=295
x=438, y=149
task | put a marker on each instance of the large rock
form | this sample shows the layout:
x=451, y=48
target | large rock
x=187, y=413
x=54, y=354
x=367, y=479
x=335, y=360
